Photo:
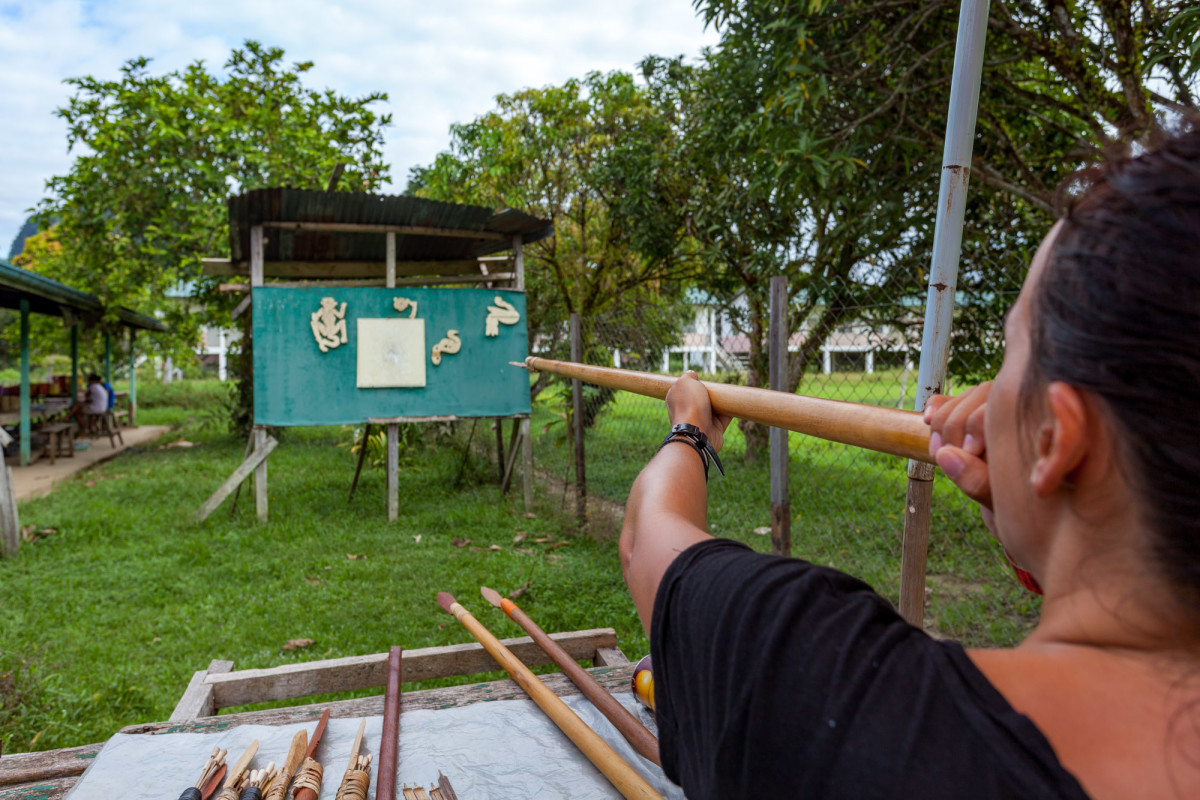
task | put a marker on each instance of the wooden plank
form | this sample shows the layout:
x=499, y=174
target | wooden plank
x=527, y=472
x=614, y=679
x=365, y=672
x=390, y=275
x=610, y=657
x=518, y=258
x=53, y=789
x=577, y=426
x=407, y=230
x=197, y=700
x=48, y=764
x=433, y=280
x=335, y=270
x=390, y=420
x=256, y=256
x=257, y=456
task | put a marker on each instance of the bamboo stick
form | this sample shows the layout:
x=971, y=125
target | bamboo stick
x=626, y=780
x=885, y=430
x=634, y=732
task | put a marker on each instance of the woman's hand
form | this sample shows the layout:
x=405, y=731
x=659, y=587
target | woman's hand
x=687, y=401
x=958, y=442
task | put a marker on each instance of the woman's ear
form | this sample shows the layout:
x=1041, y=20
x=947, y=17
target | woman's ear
x=1063, y=442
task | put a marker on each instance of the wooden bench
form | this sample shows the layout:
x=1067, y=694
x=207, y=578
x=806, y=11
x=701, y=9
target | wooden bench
x=107, y=426
x=57, y=435
x=49, y=775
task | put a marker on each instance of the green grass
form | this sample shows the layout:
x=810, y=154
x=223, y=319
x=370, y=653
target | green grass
x=104, y=622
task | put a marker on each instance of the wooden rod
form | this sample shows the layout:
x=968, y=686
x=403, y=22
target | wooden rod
x=634, y=732
x=885, y=430
x=626, y=780
x=389, y=743
x=408, y=230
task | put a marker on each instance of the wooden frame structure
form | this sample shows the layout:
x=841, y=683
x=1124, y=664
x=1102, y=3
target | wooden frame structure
x=340, y=256
x=49, y=775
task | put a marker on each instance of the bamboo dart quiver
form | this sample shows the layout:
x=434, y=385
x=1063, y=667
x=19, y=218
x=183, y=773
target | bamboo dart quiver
x=308, y=777
x=356, y=781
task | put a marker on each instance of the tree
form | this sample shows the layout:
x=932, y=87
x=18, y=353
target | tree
x=558, y=152
x=144, y=200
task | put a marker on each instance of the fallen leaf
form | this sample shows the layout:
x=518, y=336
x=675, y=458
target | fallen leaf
x=460, y=542
x=557, y=545
x=158, y=638
x=543, y=539
x=312, y=580
x=351, y=556
x=530, y=515
x=329, y=567
x=90, y=484
x=554, y=557
x=181, y=443
x=520, y=537
x=296, y=644
x=763, y=530
x=515, y=593
x=417, y=538
x=495, y=547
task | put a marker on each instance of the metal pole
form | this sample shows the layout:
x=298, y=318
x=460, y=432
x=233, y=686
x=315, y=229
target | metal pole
x=943, y=277
x=75, y=362
x=24, y=414
x=781, y=514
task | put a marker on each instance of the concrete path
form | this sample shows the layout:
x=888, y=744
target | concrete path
x=40, y=477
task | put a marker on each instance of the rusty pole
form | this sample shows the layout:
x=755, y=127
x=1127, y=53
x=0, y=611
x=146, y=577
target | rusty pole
x=943, y=276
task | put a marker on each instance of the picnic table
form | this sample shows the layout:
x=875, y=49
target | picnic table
x=39, y=412
x=486, y=737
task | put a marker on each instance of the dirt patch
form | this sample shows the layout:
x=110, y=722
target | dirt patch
x=604, y=517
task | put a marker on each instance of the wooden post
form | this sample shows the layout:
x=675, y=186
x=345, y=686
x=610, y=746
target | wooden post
x=24, y=418
x=780, y=330
x=260, y=474
x=257, y=258
x=914, y=549
x=393, y=428
x=500, y=448
x=527, y=472
x=393, y=470
x=577, y=427
x=10, y=522
x=132, y=378
x=75, y=362
x=518, y=264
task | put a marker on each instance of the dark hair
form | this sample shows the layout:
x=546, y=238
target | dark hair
x=1117, y=313
x=94, y=377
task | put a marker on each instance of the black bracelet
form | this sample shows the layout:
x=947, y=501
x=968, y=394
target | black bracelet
x=698, y=440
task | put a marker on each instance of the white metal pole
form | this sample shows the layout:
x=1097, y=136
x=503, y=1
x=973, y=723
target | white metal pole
x=943, y=278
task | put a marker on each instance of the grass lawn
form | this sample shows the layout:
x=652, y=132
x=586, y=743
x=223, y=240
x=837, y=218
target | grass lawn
x=104, y=622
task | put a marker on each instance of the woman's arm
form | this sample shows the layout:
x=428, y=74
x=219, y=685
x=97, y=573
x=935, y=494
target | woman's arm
x=668, y=505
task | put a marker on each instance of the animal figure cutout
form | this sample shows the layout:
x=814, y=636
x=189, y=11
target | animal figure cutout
x=405, y=304
x=450, y=345
x=329, y=325
x=502, y=313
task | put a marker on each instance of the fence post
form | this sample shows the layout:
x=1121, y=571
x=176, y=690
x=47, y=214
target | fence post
x=943, y=277
x=781, y=516
x=577, y=426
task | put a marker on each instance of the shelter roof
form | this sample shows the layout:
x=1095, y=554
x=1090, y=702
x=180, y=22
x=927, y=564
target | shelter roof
x=340, y=230
x=48, y=296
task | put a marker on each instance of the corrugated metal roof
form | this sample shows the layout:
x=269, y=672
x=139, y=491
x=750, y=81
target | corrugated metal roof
x=304, y=205
x=47, y=296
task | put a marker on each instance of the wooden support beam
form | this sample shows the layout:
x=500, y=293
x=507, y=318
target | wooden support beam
x=10, y=521
x=407, y=230
x=303, y=679
x=261, y=437
x=197, y=700
x=527, y=472
x=25, y=428
x=780, y=330
x=257, y=457
x=393, y=471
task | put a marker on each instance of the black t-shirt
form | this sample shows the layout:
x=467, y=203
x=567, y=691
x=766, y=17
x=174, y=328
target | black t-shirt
x=774, y=677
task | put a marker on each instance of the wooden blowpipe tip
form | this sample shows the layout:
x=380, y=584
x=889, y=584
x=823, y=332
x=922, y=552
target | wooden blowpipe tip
x=491, y=595
x=445, y=600
x=520, y=364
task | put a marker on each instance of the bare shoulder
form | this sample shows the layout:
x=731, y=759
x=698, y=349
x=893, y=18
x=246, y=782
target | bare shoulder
x=1126, y=725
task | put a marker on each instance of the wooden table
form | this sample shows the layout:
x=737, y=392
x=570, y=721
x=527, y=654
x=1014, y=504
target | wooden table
x=50, y=774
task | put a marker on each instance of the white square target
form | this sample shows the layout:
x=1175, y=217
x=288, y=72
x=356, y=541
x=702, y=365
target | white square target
x=391, y=353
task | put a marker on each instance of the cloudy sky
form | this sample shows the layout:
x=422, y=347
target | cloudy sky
x=440, y=61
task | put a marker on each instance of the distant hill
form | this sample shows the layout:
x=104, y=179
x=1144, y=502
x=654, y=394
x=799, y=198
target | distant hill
x=28, y=229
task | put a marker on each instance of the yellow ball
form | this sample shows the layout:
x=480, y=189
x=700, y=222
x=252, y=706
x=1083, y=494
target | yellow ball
x=644, y=685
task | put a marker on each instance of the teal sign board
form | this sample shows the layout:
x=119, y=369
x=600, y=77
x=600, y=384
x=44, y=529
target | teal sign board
x=333, y=356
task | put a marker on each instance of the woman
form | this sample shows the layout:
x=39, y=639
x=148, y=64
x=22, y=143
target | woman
x=777, y=678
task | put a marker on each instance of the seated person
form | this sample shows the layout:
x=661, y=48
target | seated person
x=778, y=678
x=93, y=406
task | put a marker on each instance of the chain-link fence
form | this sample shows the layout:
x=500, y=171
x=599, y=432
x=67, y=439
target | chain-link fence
x=847, y=504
